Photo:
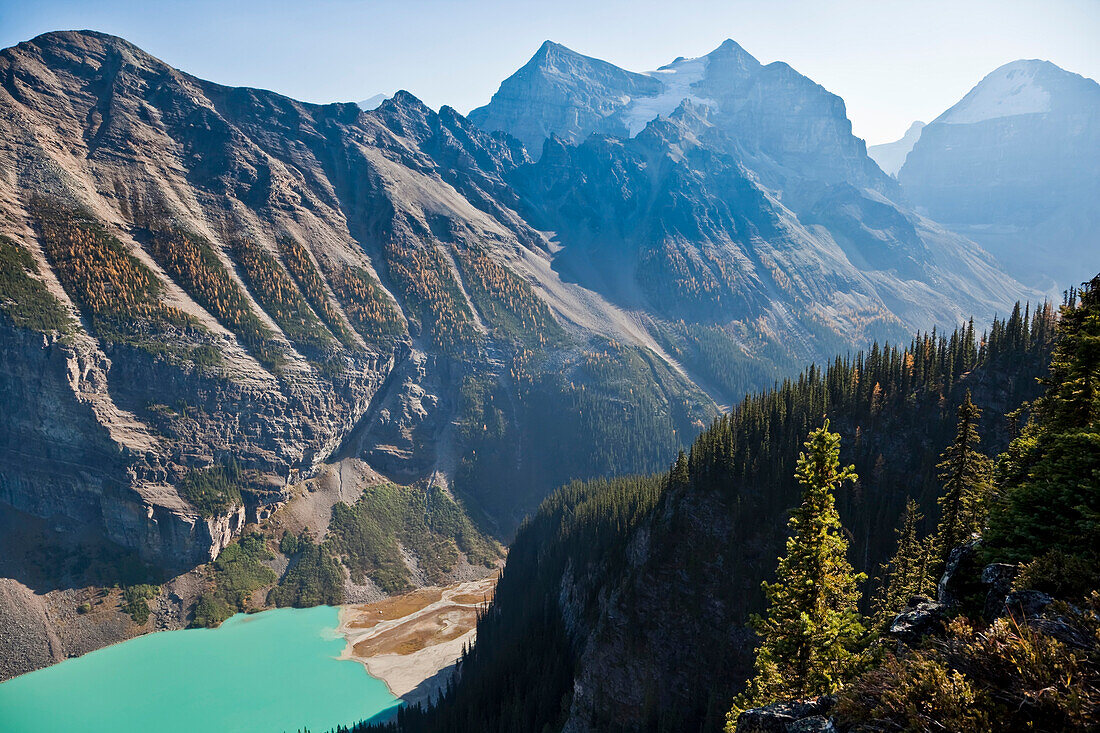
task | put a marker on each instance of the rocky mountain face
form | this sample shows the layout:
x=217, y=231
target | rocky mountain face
x=561, y=92
x=788, y=127
x=228, y=279
x=209, y=292
x=737, y=189
x=891, y=156
x=1015, y=165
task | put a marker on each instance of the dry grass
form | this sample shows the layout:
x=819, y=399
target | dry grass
x=473, y=598
x=372, y=614
x=435, y=627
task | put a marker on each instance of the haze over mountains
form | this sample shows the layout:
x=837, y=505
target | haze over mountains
x=571, y=282
x=891, y=156
x=1015, y=166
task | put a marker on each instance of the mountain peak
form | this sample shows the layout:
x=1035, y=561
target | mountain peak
x=559, y=90
x=550, y=52
x=373, y=101
x=730, y=47
x=1024, y=86
x=85, y=40
x=404, y=105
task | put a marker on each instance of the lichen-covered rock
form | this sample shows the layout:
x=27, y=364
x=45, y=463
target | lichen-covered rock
x=791, y=716
x=921, y=616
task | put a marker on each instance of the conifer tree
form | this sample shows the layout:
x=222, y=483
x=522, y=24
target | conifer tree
x=1049, y=478
x=966, y=475
x=812, y=626
x=906, y=574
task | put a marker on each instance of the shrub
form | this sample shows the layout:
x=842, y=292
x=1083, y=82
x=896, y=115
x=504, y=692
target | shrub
x=214, y=490
x=1059, y=574
x=209, y=612
x=135, y=601
x=917, y=693
x=1040, y=676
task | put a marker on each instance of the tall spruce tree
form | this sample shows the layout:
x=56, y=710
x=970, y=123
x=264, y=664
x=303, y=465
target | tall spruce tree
x=906, y=574
x=810, y=634
x=1049, y=478
x=966, y=475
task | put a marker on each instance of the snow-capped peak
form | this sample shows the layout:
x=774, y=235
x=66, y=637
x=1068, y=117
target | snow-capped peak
x=1010, y=90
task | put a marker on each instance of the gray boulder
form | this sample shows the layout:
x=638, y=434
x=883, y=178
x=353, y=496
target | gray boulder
x=1026, y=603
x=921, y=617
x=790, y=716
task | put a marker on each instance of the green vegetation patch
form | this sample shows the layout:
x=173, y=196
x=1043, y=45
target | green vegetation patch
x=427, y=523
x=428, y=284
x=279, y=296
x=237, y=573
x=118, y=296
x=193, y=263
x=213, y=490
x=367, y=305
x=210, y=611
x=24, y=299
x=239, y=570
x=369, y=310
x=506, y=301
x=135, y=601
x=715, y=354
x=314, y=577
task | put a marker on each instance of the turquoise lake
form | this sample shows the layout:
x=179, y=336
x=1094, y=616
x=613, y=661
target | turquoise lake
x=268, y=672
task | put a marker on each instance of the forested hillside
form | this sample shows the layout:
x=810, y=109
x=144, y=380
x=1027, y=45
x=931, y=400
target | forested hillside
x=625, y=604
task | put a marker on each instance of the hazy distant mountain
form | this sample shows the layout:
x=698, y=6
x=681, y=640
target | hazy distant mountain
x=1015, y=165
x=727, y=158
x=891, y=156
x=372, y=102
x=562, y=92
x=782, y=121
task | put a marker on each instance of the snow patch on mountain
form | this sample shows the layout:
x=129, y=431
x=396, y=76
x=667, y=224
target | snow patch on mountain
x=1010, y=90
x=677, y=78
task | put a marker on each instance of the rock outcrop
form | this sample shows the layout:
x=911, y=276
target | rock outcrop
x=920, y=617
x=793, y=716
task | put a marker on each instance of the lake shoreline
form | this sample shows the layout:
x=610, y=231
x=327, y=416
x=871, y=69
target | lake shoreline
x=411, y=642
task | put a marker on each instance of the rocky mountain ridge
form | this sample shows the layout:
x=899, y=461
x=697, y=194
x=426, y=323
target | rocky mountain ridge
x=249, y=286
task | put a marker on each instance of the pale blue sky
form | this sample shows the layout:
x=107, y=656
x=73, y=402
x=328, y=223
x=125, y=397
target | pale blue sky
x=893, y=61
